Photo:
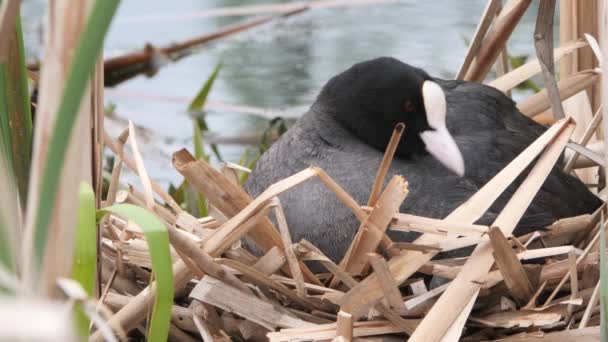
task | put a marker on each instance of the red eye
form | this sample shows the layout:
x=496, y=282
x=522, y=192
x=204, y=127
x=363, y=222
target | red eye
x=408, y=106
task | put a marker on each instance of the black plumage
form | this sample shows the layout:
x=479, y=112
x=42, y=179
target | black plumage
x=348, y=127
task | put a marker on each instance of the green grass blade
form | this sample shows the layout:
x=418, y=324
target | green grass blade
x=199, y=153
x=603, y=283
x=158, y=245
x=85, y=251
x=199, y=100
x=81, y=69
x=10, y=211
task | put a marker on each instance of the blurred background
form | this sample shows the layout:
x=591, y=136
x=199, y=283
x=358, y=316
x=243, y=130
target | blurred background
x=276, y=68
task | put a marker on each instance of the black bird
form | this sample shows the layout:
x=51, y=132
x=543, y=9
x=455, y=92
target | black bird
x=458, y=136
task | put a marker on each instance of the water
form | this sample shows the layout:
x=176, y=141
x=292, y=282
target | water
x=278, y=66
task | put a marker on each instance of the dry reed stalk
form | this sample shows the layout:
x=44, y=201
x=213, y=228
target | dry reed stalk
x=385, y=164
x=290, y=254
x=61, y=39
x=323, y=332
x=368, y=292
x=263, y=280
x=574, y=335
x=344, y=327
x=578, y=18
x=516, y=76
x=487, y=17
x=271, y=262
x=203, y=261
x=496, y=39
x=224, y=195
x=584, y=139
x=510, y=267
x=391, y=290
x=372, y=229
x=568, y=87
x=543, y=42
x=590, y=305
x=578, y=261
x=158, y=189
x=264, y=313
x=464, y=289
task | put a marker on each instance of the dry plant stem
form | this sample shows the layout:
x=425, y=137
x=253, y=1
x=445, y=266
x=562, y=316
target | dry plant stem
x=391, y=291
x=368, y=292
x=344, y=326
x=568, y=87
x=404, y=325
x=465, y=288
x=203, y=260
x=482, y=28
x=373, y=227
x=385, y=164
x=114, y=181
x=290, y=254
x=158, y=189
x=573, y=278
x=543, y=41
x=587, y=135
x=325, y=332
x=141, y=169
x=271, y=262
x=511, y=269
x=266, y=314
x=225, y=196
x=263, y=280
x=9, y=12
x=496, y=39
x=574, y=335
x=590, y=305
x=567, y=275
x=516, y=76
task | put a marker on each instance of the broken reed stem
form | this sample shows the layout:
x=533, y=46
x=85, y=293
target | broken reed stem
x=567, y=275
x=390, y=288
x=496, y=39
x=487, y=17
x=290, y=254
x=116, y=169
x=587, y=135
x=203, y=261
x=568, y=87
x=510, y=267
x=543, y=41
x=344, y=327
x=385, y=164
x=590, y=305
x=131, y=164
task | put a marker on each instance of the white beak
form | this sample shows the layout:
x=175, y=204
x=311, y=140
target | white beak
x=439, y=142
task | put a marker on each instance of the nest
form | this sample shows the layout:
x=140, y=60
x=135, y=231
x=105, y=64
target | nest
x=225, y=292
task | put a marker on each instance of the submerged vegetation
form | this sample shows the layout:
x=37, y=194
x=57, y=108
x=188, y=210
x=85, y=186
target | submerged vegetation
x=162, y=264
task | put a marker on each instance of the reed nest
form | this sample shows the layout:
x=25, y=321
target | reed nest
x=540, y=285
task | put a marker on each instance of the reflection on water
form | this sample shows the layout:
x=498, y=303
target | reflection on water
x=281, y=65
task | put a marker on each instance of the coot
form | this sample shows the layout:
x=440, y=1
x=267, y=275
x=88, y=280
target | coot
x=445, y=157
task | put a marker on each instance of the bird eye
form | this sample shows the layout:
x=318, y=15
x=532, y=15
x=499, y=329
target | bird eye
x=408, y=106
